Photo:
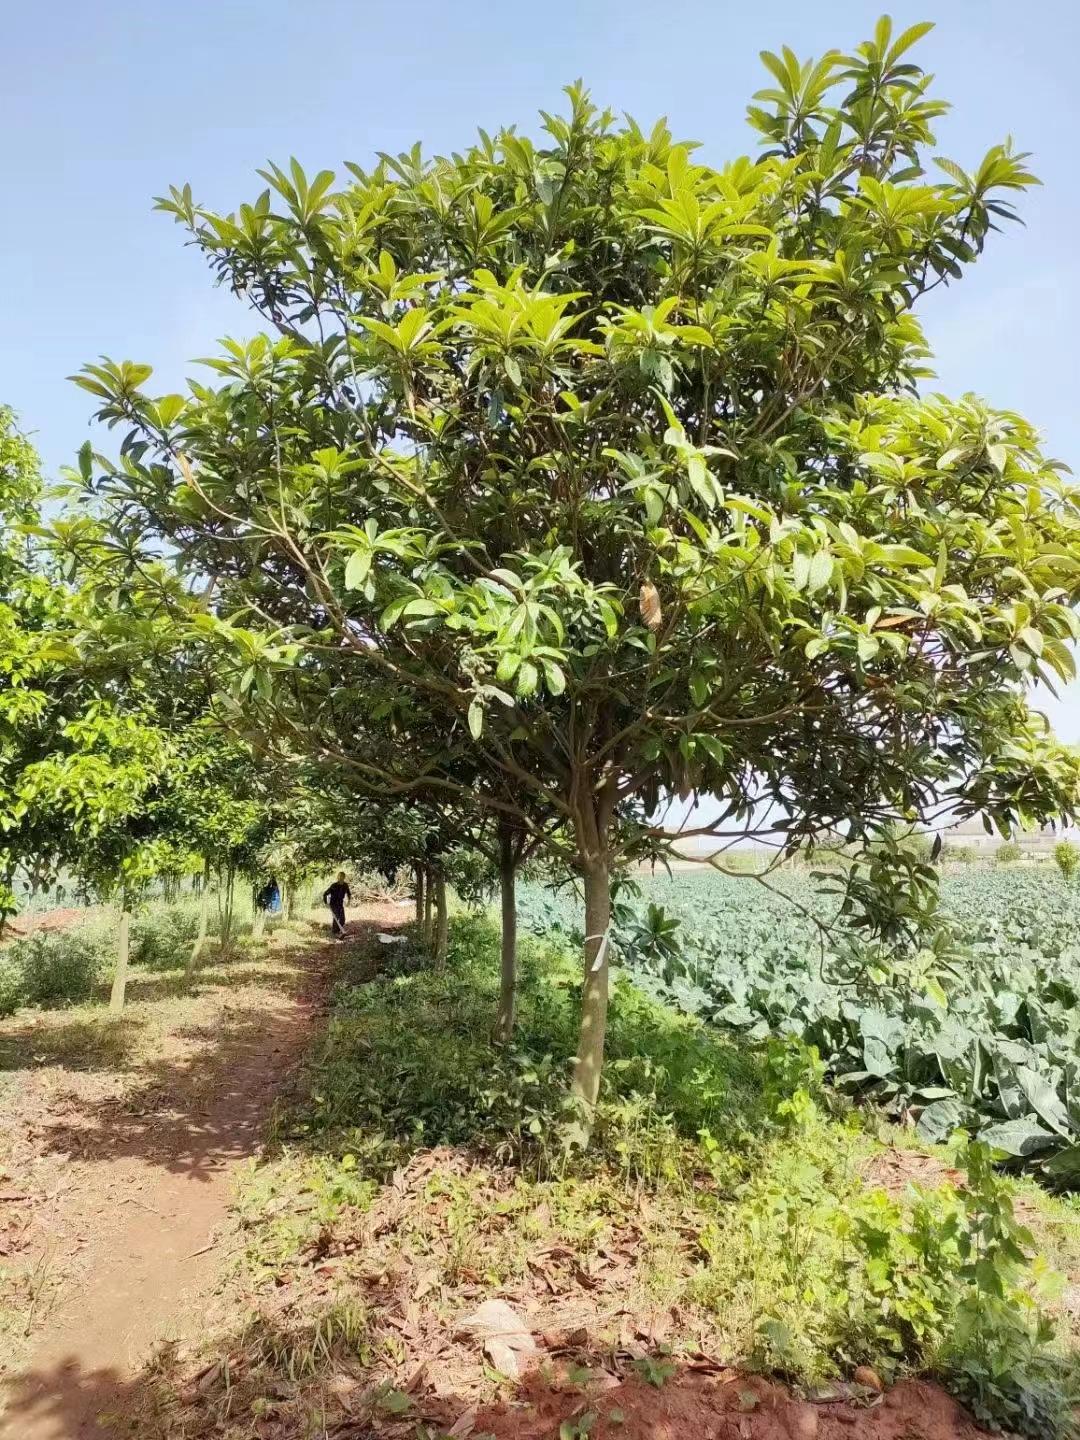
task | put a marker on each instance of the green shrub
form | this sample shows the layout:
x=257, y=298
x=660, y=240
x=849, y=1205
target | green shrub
x=1000, y=1357
x=49, y=969
x=1067, y=858
x=959, y=854
x=162, y=935
x=940, y=1281
x=1008, y=853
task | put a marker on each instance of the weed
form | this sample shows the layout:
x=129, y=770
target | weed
x=339, y=1329
x=579, y=1428
x=655, y=1370
x=999, y=1358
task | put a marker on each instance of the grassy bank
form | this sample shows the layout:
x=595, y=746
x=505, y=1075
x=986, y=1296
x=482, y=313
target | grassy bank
x=729, y=1208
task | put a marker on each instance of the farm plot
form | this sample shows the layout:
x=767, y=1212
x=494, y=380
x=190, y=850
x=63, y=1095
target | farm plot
x=980, y=1031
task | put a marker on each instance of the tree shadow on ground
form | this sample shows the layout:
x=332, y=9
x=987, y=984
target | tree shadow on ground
x=191, y=1113
x=288, y=977
x=100, y=1043
x=67, y=1402
x=279, y=1385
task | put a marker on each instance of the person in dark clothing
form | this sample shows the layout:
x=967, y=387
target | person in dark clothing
x=335, y=896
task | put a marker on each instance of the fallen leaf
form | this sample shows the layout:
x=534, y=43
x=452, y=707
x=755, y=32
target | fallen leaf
x=504, y=1335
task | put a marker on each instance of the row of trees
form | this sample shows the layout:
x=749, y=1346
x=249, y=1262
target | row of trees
x=120, y=768
x=571, y=482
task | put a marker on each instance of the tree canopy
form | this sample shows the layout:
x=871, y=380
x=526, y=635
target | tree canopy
x=621, y=466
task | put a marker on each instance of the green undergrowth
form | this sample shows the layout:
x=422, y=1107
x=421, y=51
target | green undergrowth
x=724, y=1187
x=48, y=969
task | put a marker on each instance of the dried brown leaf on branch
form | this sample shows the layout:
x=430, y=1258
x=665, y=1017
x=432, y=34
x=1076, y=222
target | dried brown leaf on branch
x=649, y=604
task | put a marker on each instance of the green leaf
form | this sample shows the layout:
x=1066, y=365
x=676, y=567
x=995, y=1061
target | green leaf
x=356, y=569
x=821, y=569
x=1065, y=1165
x=421, y=608
x=392, y=613
x=940, y=1119
x=1017, y=1137
x=904, y=555
x=1033, y=639
x=556, y=679
x=1043, y=1099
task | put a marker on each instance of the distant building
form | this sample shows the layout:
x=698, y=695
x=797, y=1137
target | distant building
x=973, y=834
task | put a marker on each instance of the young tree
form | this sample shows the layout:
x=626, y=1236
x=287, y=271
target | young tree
x=403, y=739
x=214, y=805
x=1067, y=859
x=615, y=462
x=79, y=751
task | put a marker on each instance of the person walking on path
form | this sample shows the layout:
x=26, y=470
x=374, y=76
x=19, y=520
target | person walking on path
x=335, y=896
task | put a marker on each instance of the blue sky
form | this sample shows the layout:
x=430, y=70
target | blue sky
x=104, y=105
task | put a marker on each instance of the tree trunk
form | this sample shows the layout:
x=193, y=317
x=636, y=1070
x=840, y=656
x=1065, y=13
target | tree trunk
x=594, y=995
x=428, y=902
x=119, y=984
x=442, y=921
x=289, y=902
x=504, y=1020
x=258, y=923
x=227, y=913
x=418, y=872
x=204, y=918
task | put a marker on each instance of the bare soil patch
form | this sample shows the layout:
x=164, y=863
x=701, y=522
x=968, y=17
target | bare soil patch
x=119, y=1145
x=62, y=917
x=728, y=1406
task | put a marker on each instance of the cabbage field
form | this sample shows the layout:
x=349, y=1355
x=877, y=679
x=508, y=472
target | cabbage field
x=982, y=1031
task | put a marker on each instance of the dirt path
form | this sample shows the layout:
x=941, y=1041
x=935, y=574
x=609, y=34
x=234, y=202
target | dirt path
x=129, y=1176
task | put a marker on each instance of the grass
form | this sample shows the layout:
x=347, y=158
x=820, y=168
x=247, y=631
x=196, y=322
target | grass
x=723, y=1208
x=55, y=969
